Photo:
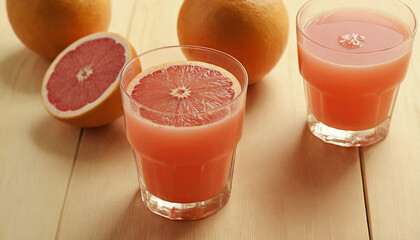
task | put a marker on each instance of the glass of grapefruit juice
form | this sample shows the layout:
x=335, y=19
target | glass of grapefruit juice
x=353, y=56
x=183, y=110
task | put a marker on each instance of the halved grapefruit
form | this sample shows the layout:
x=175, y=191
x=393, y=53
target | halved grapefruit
x=81, y=85
x=184, y=94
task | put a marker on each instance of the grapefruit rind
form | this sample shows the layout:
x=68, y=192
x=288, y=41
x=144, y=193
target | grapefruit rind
x=221, y=112
x=104, y=109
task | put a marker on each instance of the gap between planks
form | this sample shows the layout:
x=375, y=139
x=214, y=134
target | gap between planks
x=76, y=152
x=57, y=233
x=365, y=190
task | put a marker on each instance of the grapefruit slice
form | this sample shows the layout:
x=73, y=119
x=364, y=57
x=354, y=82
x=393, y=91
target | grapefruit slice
x=184, y=94
x=81, y=85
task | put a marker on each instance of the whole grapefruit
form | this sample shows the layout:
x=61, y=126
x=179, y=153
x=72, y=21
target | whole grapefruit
x=254, y=32
x=48, y=26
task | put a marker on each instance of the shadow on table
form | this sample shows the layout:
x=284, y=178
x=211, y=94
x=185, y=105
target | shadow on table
x=299, y=185
x=105, y=143
x=138, y=222
x=97, y=144
x=23, y=71
x=256, y=94
x=53, y=136
x=313, y=165
x=315, y=182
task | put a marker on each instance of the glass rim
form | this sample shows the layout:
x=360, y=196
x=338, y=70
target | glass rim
x=201, y=48
x=410, y=38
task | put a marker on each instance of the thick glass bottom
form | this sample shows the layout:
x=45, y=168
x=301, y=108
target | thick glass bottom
x=185, y=211
x=347, y=138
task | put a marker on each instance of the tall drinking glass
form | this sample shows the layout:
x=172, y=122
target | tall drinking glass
x=183, y=110
x=353, y=56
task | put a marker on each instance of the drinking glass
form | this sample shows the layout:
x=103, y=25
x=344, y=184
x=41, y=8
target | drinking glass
x=353, y=56
x=184, y=172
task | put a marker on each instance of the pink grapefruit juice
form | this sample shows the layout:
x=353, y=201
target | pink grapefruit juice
x=180, y=162
x=351, y=72
x=185, y=164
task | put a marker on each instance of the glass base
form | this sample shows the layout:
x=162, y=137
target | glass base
x=347, y=138
x=185, y=211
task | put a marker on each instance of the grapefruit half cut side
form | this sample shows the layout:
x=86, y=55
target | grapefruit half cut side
x=81, y=85
x=184, y=94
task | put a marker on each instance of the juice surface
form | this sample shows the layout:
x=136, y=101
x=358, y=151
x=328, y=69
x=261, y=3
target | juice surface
x=379, y=30
x=352, y=86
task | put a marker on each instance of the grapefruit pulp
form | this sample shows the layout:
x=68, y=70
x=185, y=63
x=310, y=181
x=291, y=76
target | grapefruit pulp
x=184, y=94
x=81, y=85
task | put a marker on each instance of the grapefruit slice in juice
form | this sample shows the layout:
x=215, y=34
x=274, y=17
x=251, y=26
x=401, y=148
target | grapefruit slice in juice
x=184, y=94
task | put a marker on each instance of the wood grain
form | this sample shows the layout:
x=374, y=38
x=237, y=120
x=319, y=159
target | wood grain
x=392, y=167
x=36, y=151
x=104, y=177
x=57, y=181
x=287, y=183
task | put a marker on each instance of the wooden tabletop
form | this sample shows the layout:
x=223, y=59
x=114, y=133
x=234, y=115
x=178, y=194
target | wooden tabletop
x=63, y=182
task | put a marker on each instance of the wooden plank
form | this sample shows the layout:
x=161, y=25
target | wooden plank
x=103, y=184
x=36, y=151
x=392, y=167
x=287, y=183
x=104, y=168
x=154, y=24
